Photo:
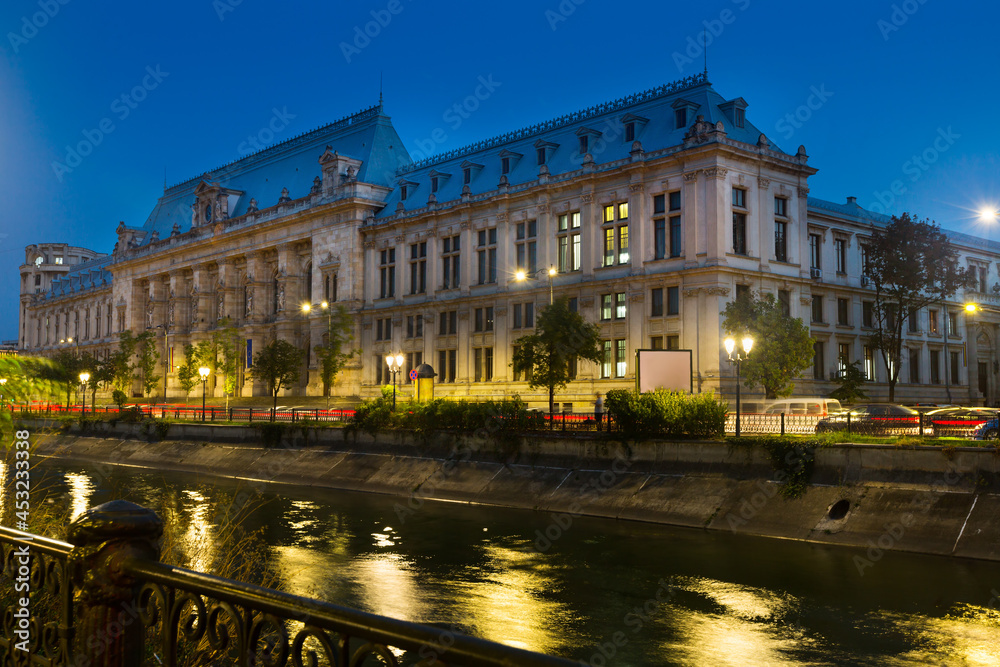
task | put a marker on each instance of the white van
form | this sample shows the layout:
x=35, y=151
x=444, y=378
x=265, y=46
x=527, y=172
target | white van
x=820, y=407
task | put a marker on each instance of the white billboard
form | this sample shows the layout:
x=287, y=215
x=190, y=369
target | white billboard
x=663, y=369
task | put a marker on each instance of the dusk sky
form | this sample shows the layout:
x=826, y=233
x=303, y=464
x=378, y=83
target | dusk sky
x=885, y=96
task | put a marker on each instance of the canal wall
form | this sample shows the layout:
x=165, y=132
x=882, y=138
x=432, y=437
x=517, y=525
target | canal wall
x=877, y=498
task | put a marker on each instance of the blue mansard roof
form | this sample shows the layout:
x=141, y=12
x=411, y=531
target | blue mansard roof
x=851, y=211
x=368, y=136
x=653, y=113
x=82, y=277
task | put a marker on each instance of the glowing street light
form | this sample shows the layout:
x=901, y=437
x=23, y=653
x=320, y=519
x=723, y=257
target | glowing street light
x=521, y=275
x=84, y=379
x=730, y=344
x=395, y=363
x=204, y=372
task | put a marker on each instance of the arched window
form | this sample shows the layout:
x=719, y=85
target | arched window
x=307, y=286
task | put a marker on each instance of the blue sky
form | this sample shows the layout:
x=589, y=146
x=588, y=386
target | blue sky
x=894, y=101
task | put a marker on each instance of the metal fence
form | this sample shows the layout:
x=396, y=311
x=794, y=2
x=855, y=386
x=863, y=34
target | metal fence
x=104, y=599
x=192, y=412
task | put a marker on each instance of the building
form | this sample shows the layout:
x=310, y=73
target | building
x=655, y=211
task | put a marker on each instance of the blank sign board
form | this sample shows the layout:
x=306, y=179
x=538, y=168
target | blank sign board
x=663, y=369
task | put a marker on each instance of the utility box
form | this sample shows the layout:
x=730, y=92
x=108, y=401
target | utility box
x=425, y=383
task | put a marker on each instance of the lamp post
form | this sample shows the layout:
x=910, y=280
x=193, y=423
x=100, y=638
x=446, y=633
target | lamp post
x=203, y=372
x=84, y=379
x=307, y=308
x=70, y=340
x=523, y=275
x=395, y=363
x=730, y=348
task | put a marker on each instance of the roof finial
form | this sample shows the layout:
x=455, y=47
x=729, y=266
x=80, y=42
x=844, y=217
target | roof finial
x=380, y=88
x=706, y=55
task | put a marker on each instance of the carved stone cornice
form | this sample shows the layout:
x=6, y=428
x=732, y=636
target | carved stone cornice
x=400, y=238
x=636, y=187
x=587, y=198
x=370, y=244
x=716, y=172
x=502, y=217
x=691, y=176
x=692, y=291
x=763, y=183
x=803, y=192
x=717, y=291
x=465, y=224
x=805, y=300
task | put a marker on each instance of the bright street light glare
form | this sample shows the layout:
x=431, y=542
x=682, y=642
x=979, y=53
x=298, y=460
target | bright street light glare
x=520, y=275
x=204, y=371
x=730, y=346
x=306, y=308
x=971, y=307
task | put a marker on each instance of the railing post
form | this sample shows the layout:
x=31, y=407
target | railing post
x=848, y=423
x=920, y=418
x=109, y=632
x=782, y=423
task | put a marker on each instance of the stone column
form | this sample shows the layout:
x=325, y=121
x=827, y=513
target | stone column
x=104, y=538
x=692, y=223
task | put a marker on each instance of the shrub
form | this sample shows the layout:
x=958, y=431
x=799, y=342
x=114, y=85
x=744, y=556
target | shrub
x=119, y=397
x=666, y=413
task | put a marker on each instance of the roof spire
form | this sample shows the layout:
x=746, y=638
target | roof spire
x=380, y=88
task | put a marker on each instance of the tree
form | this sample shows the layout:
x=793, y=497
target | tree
x=851, y=380
x=26, y=378
x=782, y=347
x=332, y=355
x=561, y=337
x=65, y=371
x=230, y=348
x=911, y=264
x=91, y=365
x=146, y=362
x=194, y=358
x=279, y=364
x=118, y=365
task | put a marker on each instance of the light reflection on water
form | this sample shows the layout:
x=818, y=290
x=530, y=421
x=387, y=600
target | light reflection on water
x=734, y=601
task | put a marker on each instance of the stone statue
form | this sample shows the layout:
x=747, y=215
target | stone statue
x=280, y=300
x=170, y=314
x=220, y=305
x=248, y=290
x=149, y=314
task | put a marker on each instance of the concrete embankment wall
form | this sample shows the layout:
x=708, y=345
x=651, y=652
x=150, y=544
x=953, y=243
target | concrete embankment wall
x=928, y=499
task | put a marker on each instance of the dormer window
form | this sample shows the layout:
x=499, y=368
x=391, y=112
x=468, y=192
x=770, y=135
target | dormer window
x=684, y=111
x=434, y=183
x=633, y=124
x=404, y=190
x=208, y=213
x=508, y=160
x=470, y=170
x=736, y=111
x=544, y=150
x=585, y=134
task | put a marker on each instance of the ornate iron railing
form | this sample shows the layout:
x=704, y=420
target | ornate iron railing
x=105, y=599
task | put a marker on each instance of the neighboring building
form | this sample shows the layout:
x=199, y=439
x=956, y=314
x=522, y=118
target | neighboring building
x=655, y=211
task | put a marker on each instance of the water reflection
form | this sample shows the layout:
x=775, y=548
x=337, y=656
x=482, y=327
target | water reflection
x=735, y=601
x=81, y=490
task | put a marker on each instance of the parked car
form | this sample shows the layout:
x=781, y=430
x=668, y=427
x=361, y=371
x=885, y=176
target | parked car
x=988, y=430
x=873, y=419
x=957, y=421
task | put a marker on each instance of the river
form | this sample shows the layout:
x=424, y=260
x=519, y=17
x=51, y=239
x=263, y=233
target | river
x=595, y=590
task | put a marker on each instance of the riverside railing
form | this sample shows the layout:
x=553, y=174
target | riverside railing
x=103, y=599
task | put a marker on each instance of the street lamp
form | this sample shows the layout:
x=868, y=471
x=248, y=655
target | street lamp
x=307, y=308
x=203, y=372
x=84, y=379
x=70, y=341
x=521, y=275
x=730, y=348
x=395, y=363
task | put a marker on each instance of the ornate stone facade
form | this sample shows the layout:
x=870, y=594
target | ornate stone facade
x=653, y=220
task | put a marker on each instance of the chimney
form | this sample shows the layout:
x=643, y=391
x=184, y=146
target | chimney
x=853, y=201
